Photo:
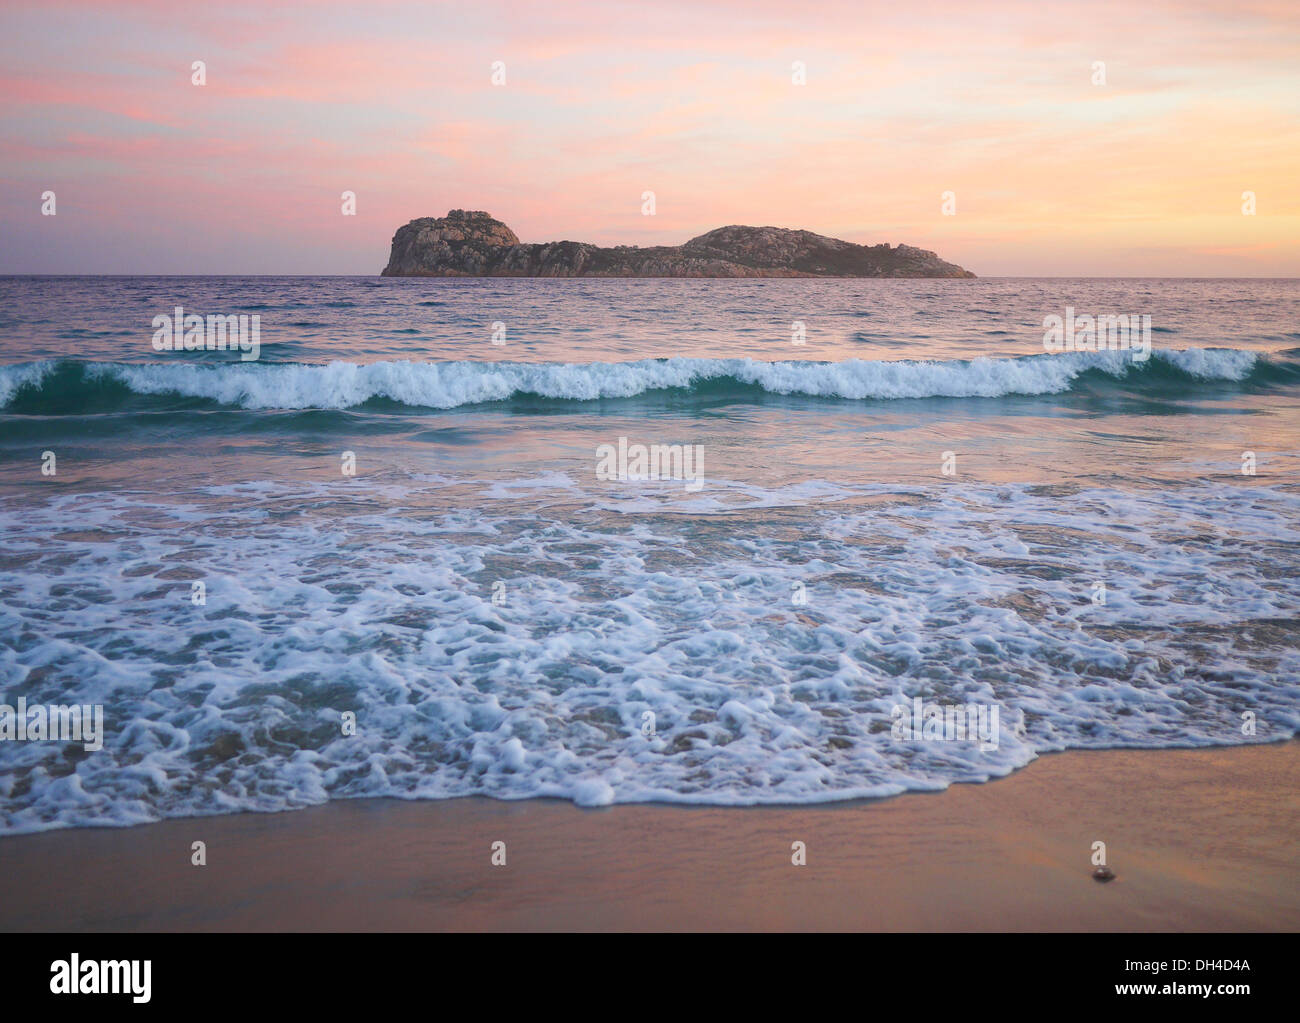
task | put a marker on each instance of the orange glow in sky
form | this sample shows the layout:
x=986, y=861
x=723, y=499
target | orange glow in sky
x=1076, y=139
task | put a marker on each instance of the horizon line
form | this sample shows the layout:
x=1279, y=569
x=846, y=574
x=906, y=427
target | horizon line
x=765, y=280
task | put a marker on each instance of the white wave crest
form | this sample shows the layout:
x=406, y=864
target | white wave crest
x=446, y=385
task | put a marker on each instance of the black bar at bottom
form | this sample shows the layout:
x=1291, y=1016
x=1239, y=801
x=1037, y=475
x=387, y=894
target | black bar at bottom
x=663, y=974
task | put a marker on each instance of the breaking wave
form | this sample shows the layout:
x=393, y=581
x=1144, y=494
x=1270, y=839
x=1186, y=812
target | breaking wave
x=68, y=386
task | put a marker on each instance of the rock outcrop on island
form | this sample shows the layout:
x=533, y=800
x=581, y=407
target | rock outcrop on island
x=468, y=243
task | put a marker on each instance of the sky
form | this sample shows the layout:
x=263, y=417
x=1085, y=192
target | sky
x=1051, y=172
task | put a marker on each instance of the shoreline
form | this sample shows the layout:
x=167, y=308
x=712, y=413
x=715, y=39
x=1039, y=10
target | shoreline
x=1202, y=839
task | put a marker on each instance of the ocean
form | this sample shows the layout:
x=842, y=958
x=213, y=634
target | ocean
x=409, y=550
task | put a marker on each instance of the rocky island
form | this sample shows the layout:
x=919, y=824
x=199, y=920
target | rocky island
x=468, y=243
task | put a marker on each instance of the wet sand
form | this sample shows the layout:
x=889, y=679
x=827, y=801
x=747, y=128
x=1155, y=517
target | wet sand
x=1198, y=840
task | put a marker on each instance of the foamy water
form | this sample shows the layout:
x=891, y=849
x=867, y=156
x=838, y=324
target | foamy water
x=502, y=622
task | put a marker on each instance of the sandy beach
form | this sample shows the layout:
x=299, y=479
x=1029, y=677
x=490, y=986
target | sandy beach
x=1198, y=840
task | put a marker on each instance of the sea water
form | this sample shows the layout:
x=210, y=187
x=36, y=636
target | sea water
x=381, y=559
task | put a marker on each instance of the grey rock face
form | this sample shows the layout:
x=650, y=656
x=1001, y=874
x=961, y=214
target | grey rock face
x=475, y=244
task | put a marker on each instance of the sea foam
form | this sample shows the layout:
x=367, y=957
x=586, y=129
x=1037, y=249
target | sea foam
x=384, y=608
